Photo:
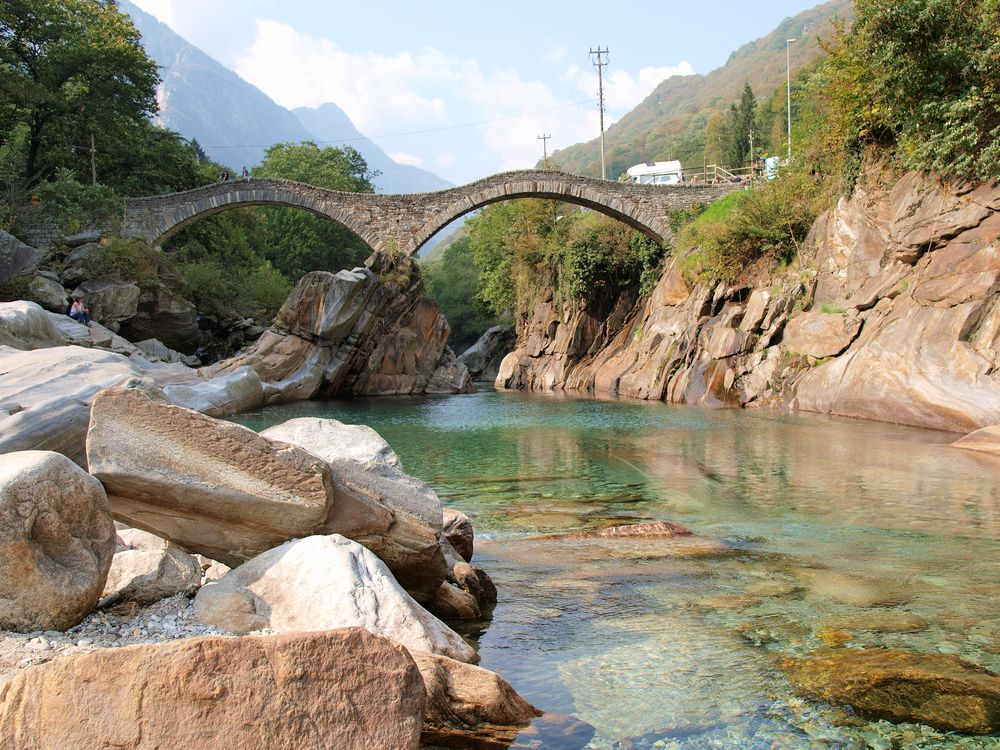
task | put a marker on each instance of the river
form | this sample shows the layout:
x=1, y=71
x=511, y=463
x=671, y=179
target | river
x=836, y=528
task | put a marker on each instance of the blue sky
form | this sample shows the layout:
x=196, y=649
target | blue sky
x=517, y=69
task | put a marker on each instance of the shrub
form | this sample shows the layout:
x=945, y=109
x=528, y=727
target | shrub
x=123, y=259
x=72, y=206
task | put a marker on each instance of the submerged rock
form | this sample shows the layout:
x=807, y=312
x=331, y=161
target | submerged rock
x=344, y=689
x=324, y=582
x=986, y=440
x=941, y=691
x=56, y=541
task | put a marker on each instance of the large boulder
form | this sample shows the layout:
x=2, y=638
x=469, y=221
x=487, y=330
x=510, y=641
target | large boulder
x=25, y=325
x=323, y=582
x=458, y=531
x=468, y=706
x=164, y=315
x=323, y=307
x=345, y=689
x=213, y=487
x=223, y=491
x=48, y=293
x=939, y=690
x=109, y=302
x=45, y=396
x=78, y=263
x=145, y=576
x=56, y=541
x=483, y=357
x=364, y=467
x=220, y=396
x=16, y=258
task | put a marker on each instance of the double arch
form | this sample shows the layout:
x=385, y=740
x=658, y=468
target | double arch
x=403, y=223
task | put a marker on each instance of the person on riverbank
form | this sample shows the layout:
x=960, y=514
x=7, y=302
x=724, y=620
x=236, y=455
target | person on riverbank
x=79, y=312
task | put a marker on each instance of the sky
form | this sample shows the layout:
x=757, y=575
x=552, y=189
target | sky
x=465, y=89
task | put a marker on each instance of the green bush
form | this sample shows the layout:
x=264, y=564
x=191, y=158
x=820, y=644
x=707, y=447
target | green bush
x=124, y=259
x=770, y=221
x=258, y=291
x=72, y=206
x=17, y=288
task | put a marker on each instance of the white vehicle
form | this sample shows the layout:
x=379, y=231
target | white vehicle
x=656, y=173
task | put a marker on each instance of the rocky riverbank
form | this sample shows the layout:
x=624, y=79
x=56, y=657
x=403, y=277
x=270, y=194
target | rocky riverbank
x=355, y=332
x=890, y=313
x=331, y=545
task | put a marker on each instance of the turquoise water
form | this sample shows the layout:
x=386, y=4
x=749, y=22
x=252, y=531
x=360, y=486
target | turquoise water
x=833, y=528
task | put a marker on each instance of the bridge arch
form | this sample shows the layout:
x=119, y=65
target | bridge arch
x=403, y=223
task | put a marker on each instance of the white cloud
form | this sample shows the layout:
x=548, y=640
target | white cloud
x=622, y=90
x=428, y=89
x=401, y=157
x=376, y=91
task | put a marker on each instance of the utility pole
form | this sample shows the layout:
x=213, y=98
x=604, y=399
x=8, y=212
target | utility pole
x=751, y=156
x=545, y=150
x=93, y=161
x=600, y=60
x=788, y=91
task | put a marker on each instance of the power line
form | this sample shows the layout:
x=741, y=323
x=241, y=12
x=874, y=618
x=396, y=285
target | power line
x=428, y=130
x=599, y=63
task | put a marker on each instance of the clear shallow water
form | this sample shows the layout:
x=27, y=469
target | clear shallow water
x=836, y=525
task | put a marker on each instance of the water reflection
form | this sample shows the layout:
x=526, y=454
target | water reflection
x=837, y=529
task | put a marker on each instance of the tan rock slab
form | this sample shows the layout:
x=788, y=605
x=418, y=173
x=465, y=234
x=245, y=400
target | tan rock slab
x=344, y=689
x=212, y=487
x=986, y=440
x=939, y=690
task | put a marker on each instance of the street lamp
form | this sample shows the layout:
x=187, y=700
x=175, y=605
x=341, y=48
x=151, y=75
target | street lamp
x=788, y=67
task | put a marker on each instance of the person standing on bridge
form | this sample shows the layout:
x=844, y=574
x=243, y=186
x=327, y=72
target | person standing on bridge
x=246, y=174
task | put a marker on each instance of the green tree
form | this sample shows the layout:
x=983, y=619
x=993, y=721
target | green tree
x=453, y=282
x=741, y=122
x=69, y=70
x=919, y=77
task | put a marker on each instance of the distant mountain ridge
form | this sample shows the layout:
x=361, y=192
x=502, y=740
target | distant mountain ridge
x=678, y=107
x=235, y=122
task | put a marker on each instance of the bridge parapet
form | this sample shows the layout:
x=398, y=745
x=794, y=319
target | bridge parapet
x=403, y=223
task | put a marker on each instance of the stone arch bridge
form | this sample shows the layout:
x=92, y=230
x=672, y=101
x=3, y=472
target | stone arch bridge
x=403, y=223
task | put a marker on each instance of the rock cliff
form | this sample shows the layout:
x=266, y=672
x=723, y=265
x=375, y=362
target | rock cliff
x=355, y=332
x=891, y=312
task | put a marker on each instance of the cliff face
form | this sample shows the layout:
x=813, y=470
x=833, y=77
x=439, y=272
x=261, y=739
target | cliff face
x=355, y=332
x=891, y=313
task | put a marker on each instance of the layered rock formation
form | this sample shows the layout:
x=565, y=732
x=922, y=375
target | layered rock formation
x=892, y=312
x=483, y=358
x=355, y=332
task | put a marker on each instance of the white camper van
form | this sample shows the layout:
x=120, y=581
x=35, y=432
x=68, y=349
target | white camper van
x=656, y=173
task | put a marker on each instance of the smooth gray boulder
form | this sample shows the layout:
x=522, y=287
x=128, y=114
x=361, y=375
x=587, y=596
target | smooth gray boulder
x=110, y=302
x=49, y=294
x=56, y=541
x=45, y=396
x=145, y=576
x=16, y=258
x=320, y=583
x=25, y=325
x=219, y=396
x=483, y=358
